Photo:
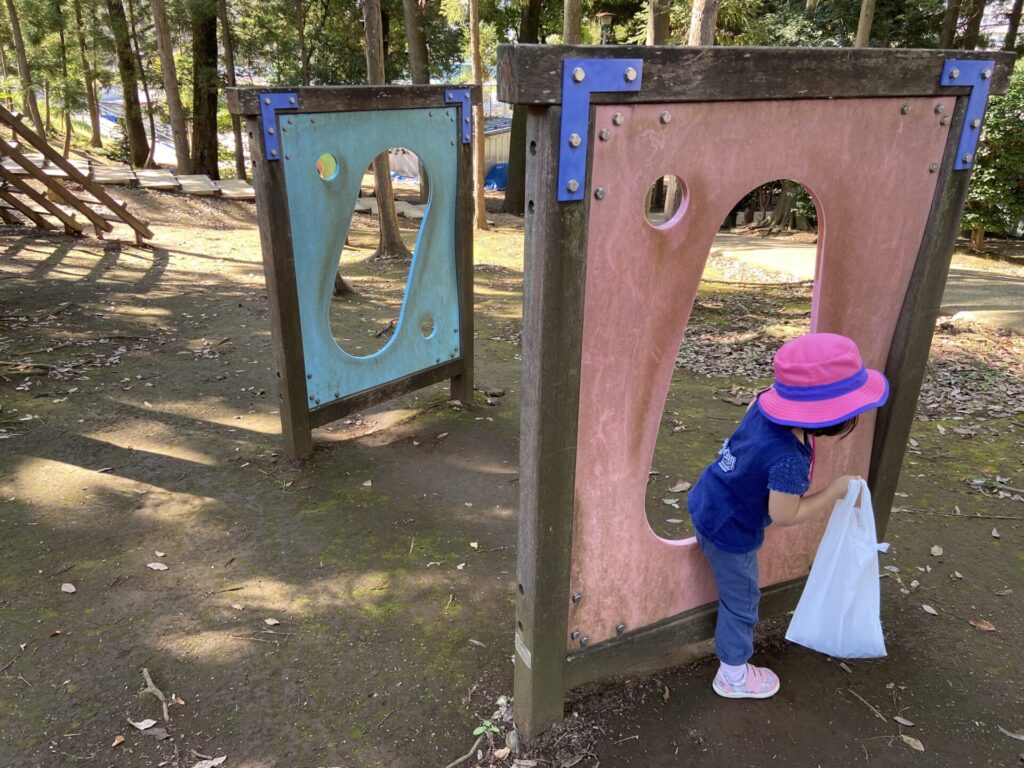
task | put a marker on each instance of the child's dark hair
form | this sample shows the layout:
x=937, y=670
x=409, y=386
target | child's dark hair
x=842, y=429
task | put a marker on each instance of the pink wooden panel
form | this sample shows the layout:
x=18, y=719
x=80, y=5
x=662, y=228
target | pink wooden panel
x=867, y=165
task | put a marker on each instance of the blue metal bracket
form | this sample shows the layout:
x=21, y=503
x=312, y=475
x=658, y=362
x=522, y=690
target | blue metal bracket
x=975, y=74
x=461, y=97
x=270, y=103
x=580, y=78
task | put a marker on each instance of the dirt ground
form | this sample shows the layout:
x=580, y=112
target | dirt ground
x=357, y=610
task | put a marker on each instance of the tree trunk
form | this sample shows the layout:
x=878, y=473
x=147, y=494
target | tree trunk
x=391, y=244
x=867, y=16
x=419, y=70
x=703, y=17
x=28, y=94
x=977, y=238
x=65, y=85
x=229, y=67
x=300, y=28
x=973, y=32
x=6, y=73
x=150, y=161
x=179, y=130
x=782, y=215
x=1013, y=28
x=657, y=22
x=96, y=136
x=134, y=129
x=204, y=88
x=47, y=124
x=479, y=140
x=515, y=192
x=949, y=21
x=572, y=22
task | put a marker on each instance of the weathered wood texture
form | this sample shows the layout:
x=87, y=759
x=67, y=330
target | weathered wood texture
x=71, y=226
x=908, y=353
x=462, y=384
x=655, y=645
x=532, y=74
x=348, y=98
x=555, y=271
x=279, y=269
x=19, y=205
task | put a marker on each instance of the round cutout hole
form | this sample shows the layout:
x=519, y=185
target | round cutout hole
x=327, y=166
x=665, y=200
x=427, y=327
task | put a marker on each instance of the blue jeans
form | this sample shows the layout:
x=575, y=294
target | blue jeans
x=736, y=577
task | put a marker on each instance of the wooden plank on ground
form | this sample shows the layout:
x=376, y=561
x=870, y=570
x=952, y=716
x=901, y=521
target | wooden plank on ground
x=113, y=174
x=197, y=184
x=236, y=189
x=157, y=178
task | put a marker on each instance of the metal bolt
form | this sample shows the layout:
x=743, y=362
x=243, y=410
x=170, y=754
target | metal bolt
x=284, y=130
x=905, y=109
x=933, y=168
x=273, y=152
x=584, y=640
x=270, y=131
x=287, y=156
x=599, y=193
x=968, y=157
x=605, y=134
x=467, y=119
x=290, y=121
x=986, y=74
x=291, y=99
x=312, y=119
x=618, y=118
x=574, y=634
x=954, y=74
x=572, y=185
x=267, y=101
x=578, y=74
x=666, y=118
x=630, y=74
x=453, y=142
x=620, y=628
x=939, y=109
x=309, y=375
x=318, y=401
x=574, y=140
x=944, y=120
x=430, y=114
x=976, y=123
x=337, y=394
x=577, y=596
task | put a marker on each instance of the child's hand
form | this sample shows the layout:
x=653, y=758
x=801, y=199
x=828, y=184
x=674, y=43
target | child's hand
x=841, y=485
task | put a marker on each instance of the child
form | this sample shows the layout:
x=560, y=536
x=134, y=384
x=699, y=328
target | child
x=761, y=475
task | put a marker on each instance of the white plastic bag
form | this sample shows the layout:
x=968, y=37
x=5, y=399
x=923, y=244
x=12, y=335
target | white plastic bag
x=839, y=611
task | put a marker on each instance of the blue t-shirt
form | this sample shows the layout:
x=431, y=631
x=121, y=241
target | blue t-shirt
x=729, y=503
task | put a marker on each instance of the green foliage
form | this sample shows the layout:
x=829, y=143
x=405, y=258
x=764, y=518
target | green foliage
x=120, y=150
x=995, y=201
x=488, y=727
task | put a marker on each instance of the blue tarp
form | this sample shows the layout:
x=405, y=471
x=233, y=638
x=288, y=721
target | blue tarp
x=497, y=178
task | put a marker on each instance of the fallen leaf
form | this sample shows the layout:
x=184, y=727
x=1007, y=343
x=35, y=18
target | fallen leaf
x=913, y=443
x=147, y=403
x=681, y=487
x=958, y=575
x=892, y=569
x=55, y=633
x=68, y=587
x=156, y=566
x=416, y=442
x=502, y=752
x=118, y=741
x=237, y=606
x=936, y=551
x=928, y=609
x=673, y=520
x=942, y=429
x=995, y=533
x=845, y=667
x=213, y=763
x=143, y=724
x=442, y=436
x=158, y=733
x=915, y=584
x=671, y=502
x=368, y=483
x=1011, y=734
x=571, y=761
x=477, y=643
x=982, y=624
x=271, y=622
x=903, y=721
x=474, y=545
x=914, y=743
x=158, y=553
x=665, y=694
x=460, y=566
x=1004, y=592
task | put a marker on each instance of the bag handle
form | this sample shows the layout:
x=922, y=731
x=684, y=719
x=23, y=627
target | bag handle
x=867, y=513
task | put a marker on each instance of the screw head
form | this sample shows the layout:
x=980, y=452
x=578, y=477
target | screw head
x=267, y=101
x=309, y=375
x=976, y=123
x=578, y=75
x=954, y=74
x=618, y=118
x=599, y=193
x=967, y=158
x=273, y=152
x=317, y=401
x=630, y=74
x=666, y=118
x=905, y=109
x=944, y=120
x=577, y=596
x=620, y=628
x=986, y=74
x=271, y=131
x=574, y=634
x=605, y=134
x=287, y=156
x=933, y=168
x=572, y=185
x=291, y=99
x=939, y=109
x=584, y=641
x=574, y=140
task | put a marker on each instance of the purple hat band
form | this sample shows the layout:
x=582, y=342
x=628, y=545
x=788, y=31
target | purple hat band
x=816, y=392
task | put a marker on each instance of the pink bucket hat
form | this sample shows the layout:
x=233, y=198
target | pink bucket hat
x=820, y=380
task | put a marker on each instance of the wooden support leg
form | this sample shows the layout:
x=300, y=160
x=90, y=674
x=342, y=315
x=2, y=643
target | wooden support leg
x=462, y=385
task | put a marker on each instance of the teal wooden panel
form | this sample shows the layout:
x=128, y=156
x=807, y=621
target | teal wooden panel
x=321, y=213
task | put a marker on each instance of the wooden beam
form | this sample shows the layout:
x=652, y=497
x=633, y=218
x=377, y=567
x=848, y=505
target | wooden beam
x=72, y=226
x=348, y=98
x=532, y=74
x=59, y=189
x=462, y=384
x=24, y=210
x=554, y=280
x=282, y=295
x=908, y=353
x=97, y=191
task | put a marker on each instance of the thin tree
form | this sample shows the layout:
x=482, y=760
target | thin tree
x=703, y=19
x=867, y=16
x=479, y=140
x=132, y=28
x=657, y=22
x=204, y=88
x=391, y=244
x=229, y=68
x=515, y=192
x=949, y=21
x=179, y=131
x=65, y=84
x=6, y=73
x=28, y=94
x=300, y=26
x=1013, y=26
x=96, y=136
x=419, y=70
x=572, y=22
x=972, y=34
x=134, y=129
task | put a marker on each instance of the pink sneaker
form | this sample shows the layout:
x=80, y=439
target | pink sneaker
x=760, y=683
